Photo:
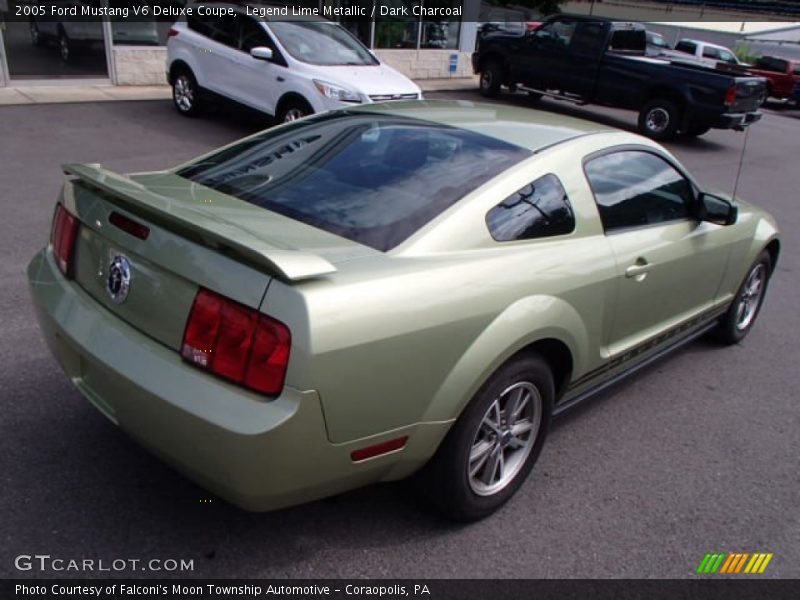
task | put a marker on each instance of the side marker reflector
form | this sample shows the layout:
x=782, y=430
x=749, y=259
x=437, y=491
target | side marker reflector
x=378, y=449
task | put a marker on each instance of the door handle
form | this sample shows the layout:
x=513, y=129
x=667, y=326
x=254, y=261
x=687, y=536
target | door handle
x=638, y=270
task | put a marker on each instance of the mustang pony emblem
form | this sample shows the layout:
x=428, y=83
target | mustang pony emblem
x=119, y=279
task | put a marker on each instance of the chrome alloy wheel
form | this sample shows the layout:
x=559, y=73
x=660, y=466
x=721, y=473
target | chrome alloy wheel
x=751, y=296
x=184, y=93
x=293, y=114
x=505, y=438
x=657, y=120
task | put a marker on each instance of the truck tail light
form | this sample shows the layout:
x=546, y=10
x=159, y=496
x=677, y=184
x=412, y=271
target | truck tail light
x=730, y=96
x=62, y=237
x=172, y=32
x=237, y=343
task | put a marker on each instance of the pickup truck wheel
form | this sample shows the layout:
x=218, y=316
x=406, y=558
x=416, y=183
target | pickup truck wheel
x=494, y=444
x=186, y=93
x=491, y=79
x=744, y=309
x=658, y=119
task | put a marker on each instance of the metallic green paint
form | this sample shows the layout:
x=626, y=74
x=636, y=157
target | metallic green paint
x=383, y=344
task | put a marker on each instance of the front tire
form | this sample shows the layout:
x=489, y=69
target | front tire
x=658, y=119
x=746, y=305
x=491, y=79
x=493, y=445
x=293, y=109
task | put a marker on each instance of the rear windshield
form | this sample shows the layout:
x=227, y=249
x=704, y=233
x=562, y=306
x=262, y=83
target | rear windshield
x=370, y=178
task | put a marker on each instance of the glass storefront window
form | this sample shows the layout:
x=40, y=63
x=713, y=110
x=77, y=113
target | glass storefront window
x=440, y=32
x=396, y=32
x=129, y=32
x=52, y=48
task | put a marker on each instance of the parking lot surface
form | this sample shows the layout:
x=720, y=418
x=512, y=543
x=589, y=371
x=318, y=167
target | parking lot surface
x=698, y=454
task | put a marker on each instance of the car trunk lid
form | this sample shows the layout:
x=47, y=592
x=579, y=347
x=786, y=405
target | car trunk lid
x=195, y=237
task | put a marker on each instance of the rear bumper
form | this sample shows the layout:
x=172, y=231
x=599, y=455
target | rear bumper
x=257, y=453
x=736, y=120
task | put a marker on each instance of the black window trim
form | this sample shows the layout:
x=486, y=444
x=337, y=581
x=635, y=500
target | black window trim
x=559, y=236
x=696, y=189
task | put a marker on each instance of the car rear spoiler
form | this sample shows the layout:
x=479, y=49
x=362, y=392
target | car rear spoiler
x=287, y=263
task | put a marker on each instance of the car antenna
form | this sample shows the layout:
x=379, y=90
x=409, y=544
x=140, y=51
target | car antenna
x=741, y=162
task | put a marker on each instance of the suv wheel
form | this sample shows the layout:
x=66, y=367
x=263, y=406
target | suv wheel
x=658, y=119
x=186, y=94
x=494, y=444
x=294, y=109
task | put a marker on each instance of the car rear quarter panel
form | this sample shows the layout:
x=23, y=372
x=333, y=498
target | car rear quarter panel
x=408, y=337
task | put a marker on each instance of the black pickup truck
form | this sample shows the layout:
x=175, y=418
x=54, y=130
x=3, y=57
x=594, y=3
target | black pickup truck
x=588, y=60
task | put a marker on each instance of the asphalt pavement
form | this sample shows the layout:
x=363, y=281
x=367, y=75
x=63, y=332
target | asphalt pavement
x=698, y=454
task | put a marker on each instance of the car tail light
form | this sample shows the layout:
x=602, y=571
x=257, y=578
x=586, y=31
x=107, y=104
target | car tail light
x=730, y=96
x=172, y=32
x=62, y=237
x=237, y=343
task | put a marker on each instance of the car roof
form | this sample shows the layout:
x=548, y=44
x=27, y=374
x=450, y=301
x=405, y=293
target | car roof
x=531, y=129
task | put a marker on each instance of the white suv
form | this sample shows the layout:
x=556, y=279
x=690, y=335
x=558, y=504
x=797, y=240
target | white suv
x=288, y=69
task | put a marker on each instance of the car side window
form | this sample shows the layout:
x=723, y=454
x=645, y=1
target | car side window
x=687, y=47
x=633, y=188
x=556, y=34
x=223, y=30
x=253, y=35
x=540, y=209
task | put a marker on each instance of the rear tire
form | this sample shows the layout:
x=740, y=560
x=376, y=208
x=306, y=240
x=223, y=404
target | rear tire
x=658, y=119
x=491, y=79
x=746, y=305
x=186, y=93
x=492, y=447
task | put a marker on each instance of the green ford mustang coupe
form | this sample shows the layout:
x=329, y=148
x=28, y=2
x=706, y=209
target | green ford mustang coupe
x=369, y=293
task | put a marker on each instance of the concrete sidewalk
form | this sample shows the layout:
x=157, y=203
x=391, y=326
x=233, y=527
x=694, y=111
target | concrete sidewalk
x=50, y=94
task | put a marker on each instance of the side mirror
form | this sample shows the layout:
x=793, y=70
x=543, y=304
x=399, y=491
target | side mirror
x=716, y=210
x=261, y=53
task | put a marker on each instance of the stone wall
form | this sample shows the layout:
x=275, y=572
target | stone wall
x=137, y=65
x=146, y=65
x=427, y=64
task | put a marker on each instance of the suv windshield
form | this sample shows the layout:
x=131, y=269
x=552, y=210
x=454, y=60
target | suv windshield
x=370, y=178
x=321, y=43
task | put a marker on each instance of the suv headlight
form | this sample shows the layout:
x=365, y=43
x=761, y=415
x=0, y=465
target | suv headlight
x=334, y=92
